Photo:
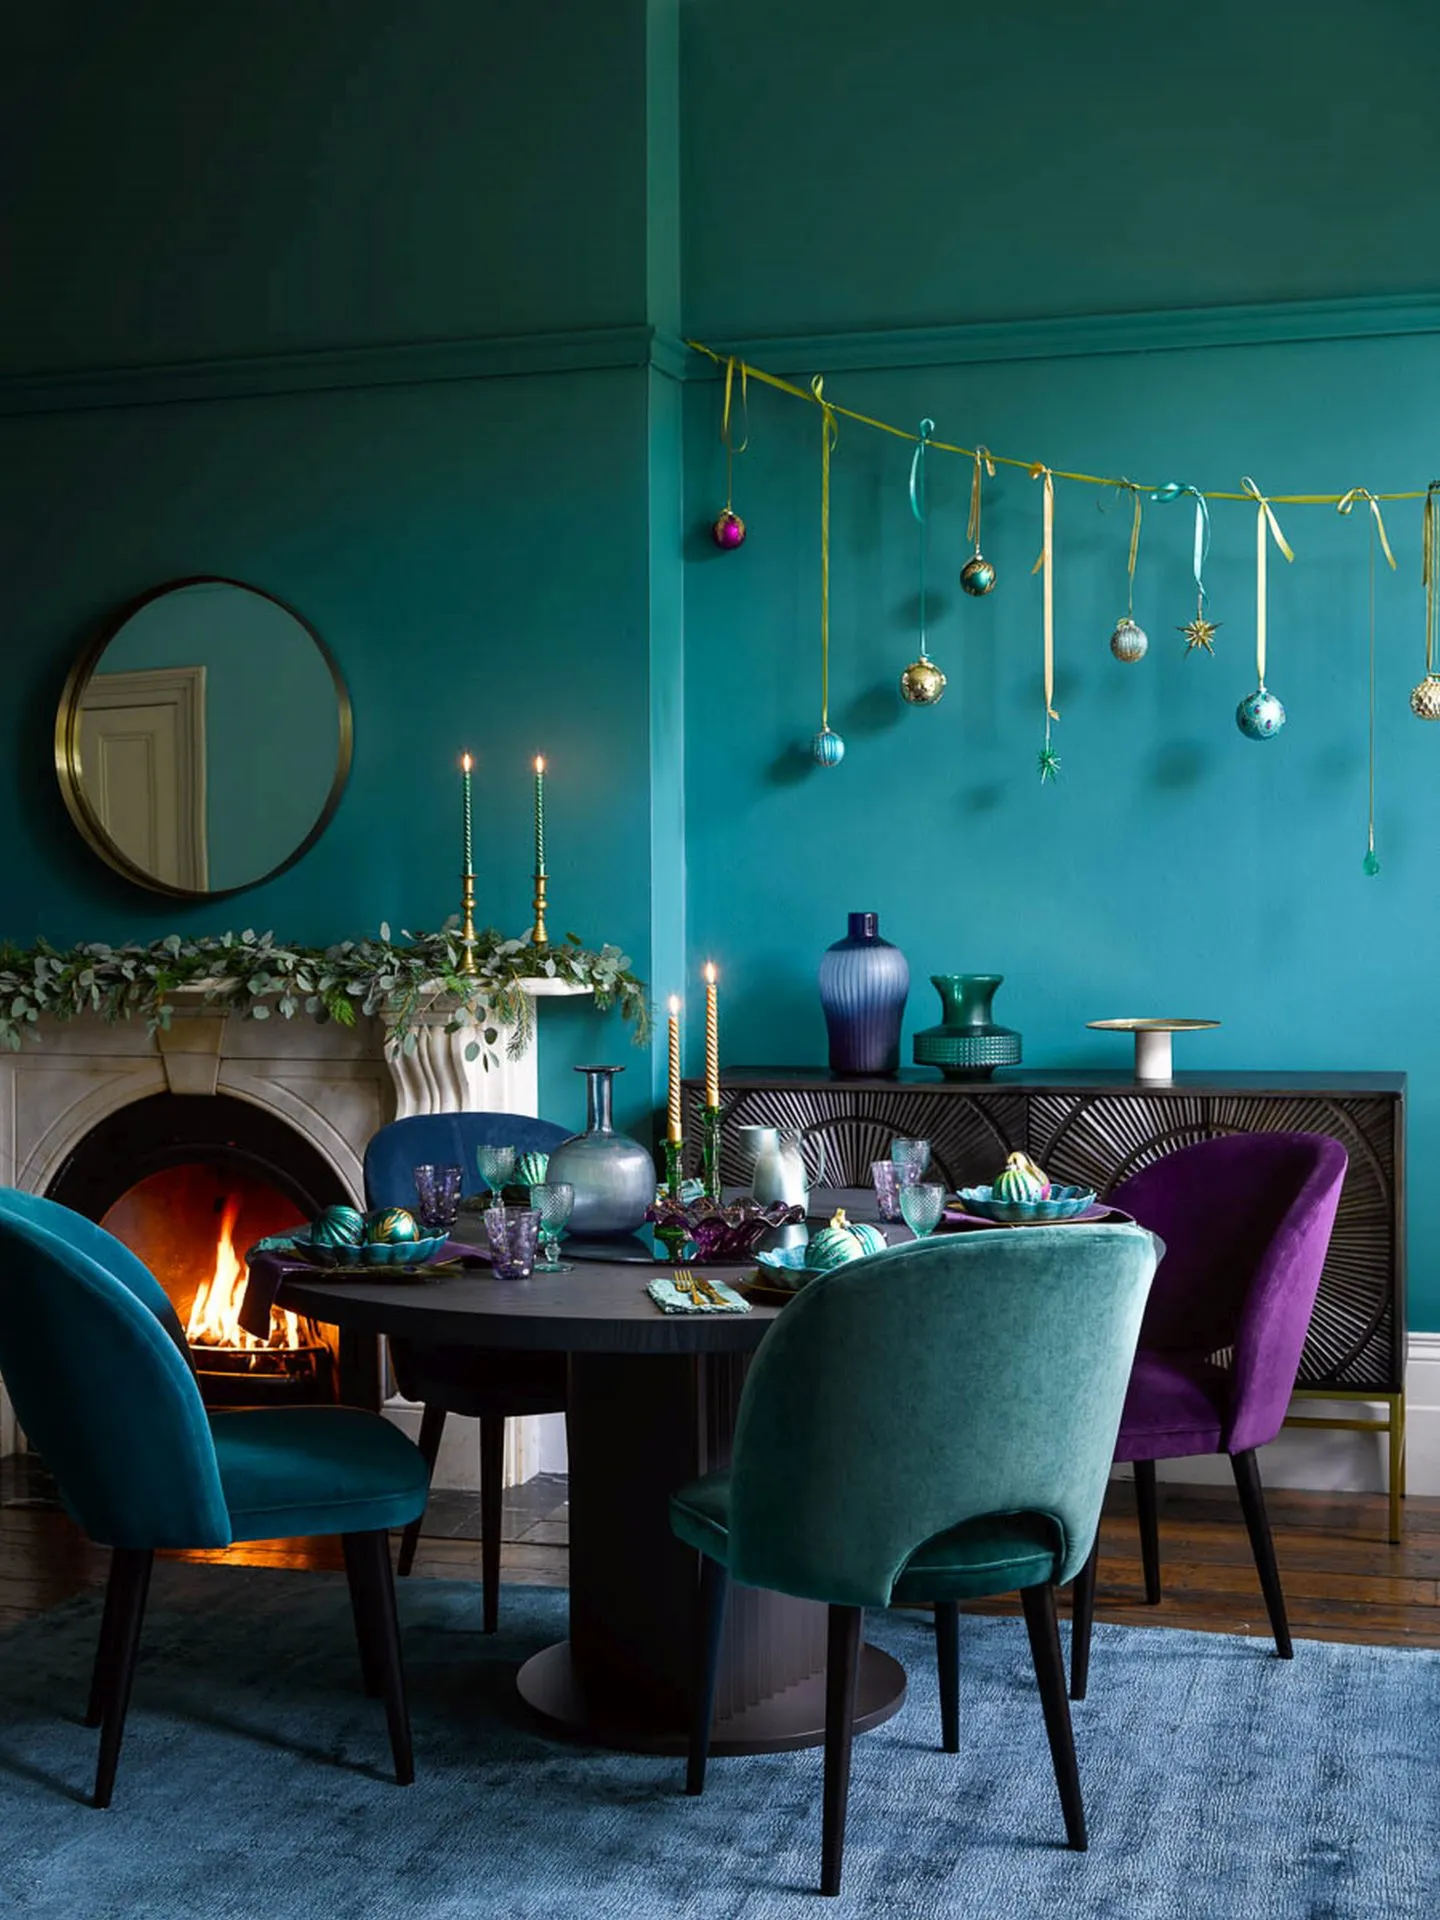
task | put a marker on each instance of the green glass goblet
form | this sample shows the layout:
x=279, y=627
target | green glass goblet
x=553, y=1201
x=921, y=1206
x=497, y=1167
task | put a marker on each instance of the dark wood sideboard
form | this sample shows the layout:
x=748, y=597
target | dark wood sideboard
x=1095, y=1128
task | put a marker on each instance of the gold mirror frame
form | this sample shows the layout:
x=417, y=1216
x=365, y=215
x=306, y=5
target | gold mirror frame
x=68, y=770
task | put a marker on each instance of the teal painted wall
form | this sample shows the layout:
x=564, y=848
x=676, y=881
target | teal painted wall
x=1051, y=160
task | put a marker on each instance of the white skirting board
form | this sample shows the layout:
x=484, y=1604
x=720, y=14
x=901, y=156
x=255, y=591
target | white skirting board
x=1302, y=1457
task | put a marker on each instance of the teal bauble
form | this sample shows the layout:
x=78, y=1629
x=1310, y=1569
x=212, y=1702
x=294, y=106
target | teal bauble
x=977, y=576
x=841, y=1242
x=391, y=1227
x=827, y=749
x=1260, y=715
x=1020, y=1179
x=338, y=1227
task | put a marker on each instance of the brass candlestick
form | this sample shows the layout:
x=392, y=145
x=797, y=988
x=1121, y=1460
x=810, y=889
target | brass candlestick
x=538, y=935
x=467, y=924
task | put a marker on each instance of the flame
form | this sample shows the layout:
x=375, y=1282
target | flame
x=215, y=1316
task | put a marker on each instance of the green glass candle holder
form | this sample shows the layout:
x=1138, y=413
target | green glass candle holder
x=710, y=1151
x=674, y=1168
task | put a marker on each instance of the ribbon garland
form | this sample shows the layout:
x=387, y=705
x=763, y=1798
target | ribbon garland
x=1347, y=501
x=1265, y=521
x=918, y=508
x=726, y=437
x=972, y=527
x=1172, y=490
x=829, y=434
x=1049, y=760
x=1377, y=526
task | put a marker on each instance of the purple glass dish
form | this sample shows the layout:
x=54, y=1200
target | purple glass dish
x=722, y=1232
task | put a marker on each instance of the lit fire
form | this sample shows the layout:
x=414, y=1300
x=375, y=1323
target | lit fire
x=215, y=1316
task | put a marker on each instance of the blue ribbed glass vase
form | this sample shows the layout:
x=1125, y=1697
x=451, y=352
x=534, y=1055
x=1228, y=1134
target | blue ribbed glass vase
x=864, y=983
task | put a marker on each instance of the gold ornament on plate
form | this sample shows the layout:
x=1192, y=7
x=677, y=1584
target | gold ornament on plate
x=922, y=683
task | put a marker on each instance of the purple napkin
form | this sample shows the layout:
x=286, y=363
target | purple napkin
x=269, y=1267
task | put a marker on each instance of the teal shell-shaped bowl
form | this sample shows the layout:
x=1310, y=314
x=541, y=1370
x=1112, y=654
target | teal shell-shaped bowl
x=1064, y=1203
x=374, y=1253
x=786, y=1267
x=531, y=1168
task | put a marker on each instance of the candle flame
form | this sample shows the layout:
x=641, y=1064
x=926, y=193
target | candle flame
x=539, y=763
x=466, y=763
x=674, y=1005
x=709, y=973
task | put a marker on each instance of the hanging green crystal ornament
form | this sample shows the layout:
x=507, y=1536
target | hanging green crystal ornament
x=1371, y=863
x=922, y=683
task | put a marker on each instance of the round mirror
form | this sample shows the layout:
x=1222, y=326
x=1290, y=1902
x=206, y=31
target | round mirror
x=203, y=741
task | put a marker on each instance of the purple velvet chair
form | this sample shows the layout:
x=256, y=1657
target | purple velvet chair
x=1246, y=1222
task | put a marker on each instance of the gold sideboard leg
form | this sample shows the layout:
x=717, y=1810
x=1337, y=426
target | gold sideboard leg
x=1397, y=1466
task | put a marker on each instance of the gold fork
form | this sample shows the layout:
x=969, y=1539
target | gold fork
x=684, y=1284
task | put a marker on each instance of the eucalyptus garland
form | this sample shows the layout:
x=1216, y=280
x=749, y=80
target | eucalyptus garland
x=255, y=976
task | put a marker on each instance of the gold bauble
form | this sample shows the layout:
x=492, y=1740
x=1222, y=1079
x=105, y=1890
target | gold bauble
x=1425, y=700
x=922, y=683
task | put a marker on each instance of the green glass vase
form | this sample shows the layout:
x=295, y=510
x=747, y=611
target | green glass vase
x=967, y=1045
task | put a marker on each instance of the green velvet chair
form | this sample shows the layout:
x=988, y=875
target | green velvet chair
x=930, y=1425
x=99, y=1371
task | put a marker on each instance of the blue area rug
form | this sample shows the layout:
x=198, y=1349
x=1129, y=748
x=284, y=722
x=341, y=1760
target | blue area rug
x=1220, y=1783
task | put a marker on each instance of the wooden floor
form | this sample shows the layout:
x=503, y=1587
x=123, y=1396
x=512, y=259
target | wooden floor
x=1343, y=1579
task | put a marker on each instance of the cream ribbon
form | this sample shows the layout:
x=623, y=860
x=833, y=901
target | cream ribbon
x=829, y=434
x=1264, y=521
x=1347, y=501
x=972, y=529
x=1046, y=562
x=1430, y=573
x=726, y=436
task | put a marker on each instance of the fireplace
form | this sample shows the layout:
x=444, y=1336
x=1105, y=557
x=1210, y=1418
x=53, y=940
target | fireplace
x=188, y=1182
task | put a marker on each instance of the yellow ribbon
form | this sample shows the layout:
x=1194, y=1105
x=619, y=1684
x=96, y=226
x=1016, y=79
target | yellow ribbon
x=1347, y=501
x=1264, y=520
x=829, y=434
x=1134, y=545
x=725, y=436
x=1430, y=573
x=1046, y=562
x=972, y=529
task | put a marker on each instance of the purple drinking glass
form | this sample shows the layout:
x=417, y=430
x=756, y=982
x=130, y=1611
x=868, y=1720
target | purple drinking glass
x=888, y=1177
x=512, y=1233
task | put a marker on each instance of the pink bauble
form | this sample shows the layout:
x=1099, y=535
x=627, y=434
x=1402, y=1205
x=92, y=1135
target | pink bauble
x=728, y=531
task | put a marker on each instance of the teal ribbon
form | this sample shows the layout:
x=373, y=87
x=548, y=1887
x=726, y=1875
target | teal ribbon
x=1172, y=490
x=918, y=508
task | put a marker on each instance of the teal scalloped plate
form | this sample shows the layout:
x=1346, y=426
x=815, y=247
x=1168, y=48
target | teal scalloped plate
x=1063, y=1204
x=374, y=1253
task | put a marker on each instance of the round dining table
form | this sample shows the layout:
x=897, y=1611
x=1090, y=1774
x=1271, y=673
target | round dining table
x=652, y=1403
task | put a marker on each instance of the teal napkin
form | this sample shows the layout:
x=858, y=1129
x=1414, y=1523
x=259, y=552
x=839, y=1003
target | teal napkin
x=672, y=1299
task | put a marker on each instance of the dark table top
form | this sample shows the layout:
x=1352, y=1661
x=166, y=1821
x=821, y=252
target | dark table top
x=1063, y=1079
x=598, y=1307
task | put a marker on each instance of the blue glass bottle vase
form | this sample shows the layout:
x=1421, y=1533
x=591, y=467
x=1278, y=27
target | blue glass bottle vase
x=864, y=983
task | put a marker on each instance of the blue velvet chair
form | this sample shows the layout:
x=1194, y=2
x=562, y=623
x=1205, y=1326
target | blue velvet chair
x=98, y=1368
x=929, y=1425
x=479, y=1383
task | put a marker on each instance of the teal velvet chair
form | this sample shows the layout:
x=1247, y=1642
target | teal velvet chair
x=930, y=1425
x=98, y=1368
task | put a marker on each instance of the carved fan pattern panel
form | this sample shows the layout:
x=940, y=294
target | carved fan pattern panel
x=1097, y=1136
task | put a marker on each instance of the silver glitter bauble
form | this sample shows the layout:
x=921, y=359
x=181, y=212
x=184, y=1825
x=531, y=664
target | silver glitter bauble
x=1129, y=642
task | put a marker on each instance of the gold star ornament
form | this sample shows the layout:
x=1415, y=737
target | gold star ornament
x=1200, y=632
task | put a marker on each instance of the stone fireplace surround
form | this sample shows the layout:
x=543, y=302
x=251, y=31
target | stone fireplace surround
x=335, y=1086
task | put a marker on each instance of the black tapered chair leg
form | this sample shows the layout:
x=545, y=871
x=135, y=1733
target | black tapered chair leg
x=947, y=1662
x=355, y=1574
x=1044, y=1631
x=1246, y=1468
x=492, y=1504
x=129, y=1585
x=709, y=1626
x=104, y=1667
x=1082, y=1622
x=369, y=1554
x=1147, y=1507
x=842, y=1677
x=432, y=1427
